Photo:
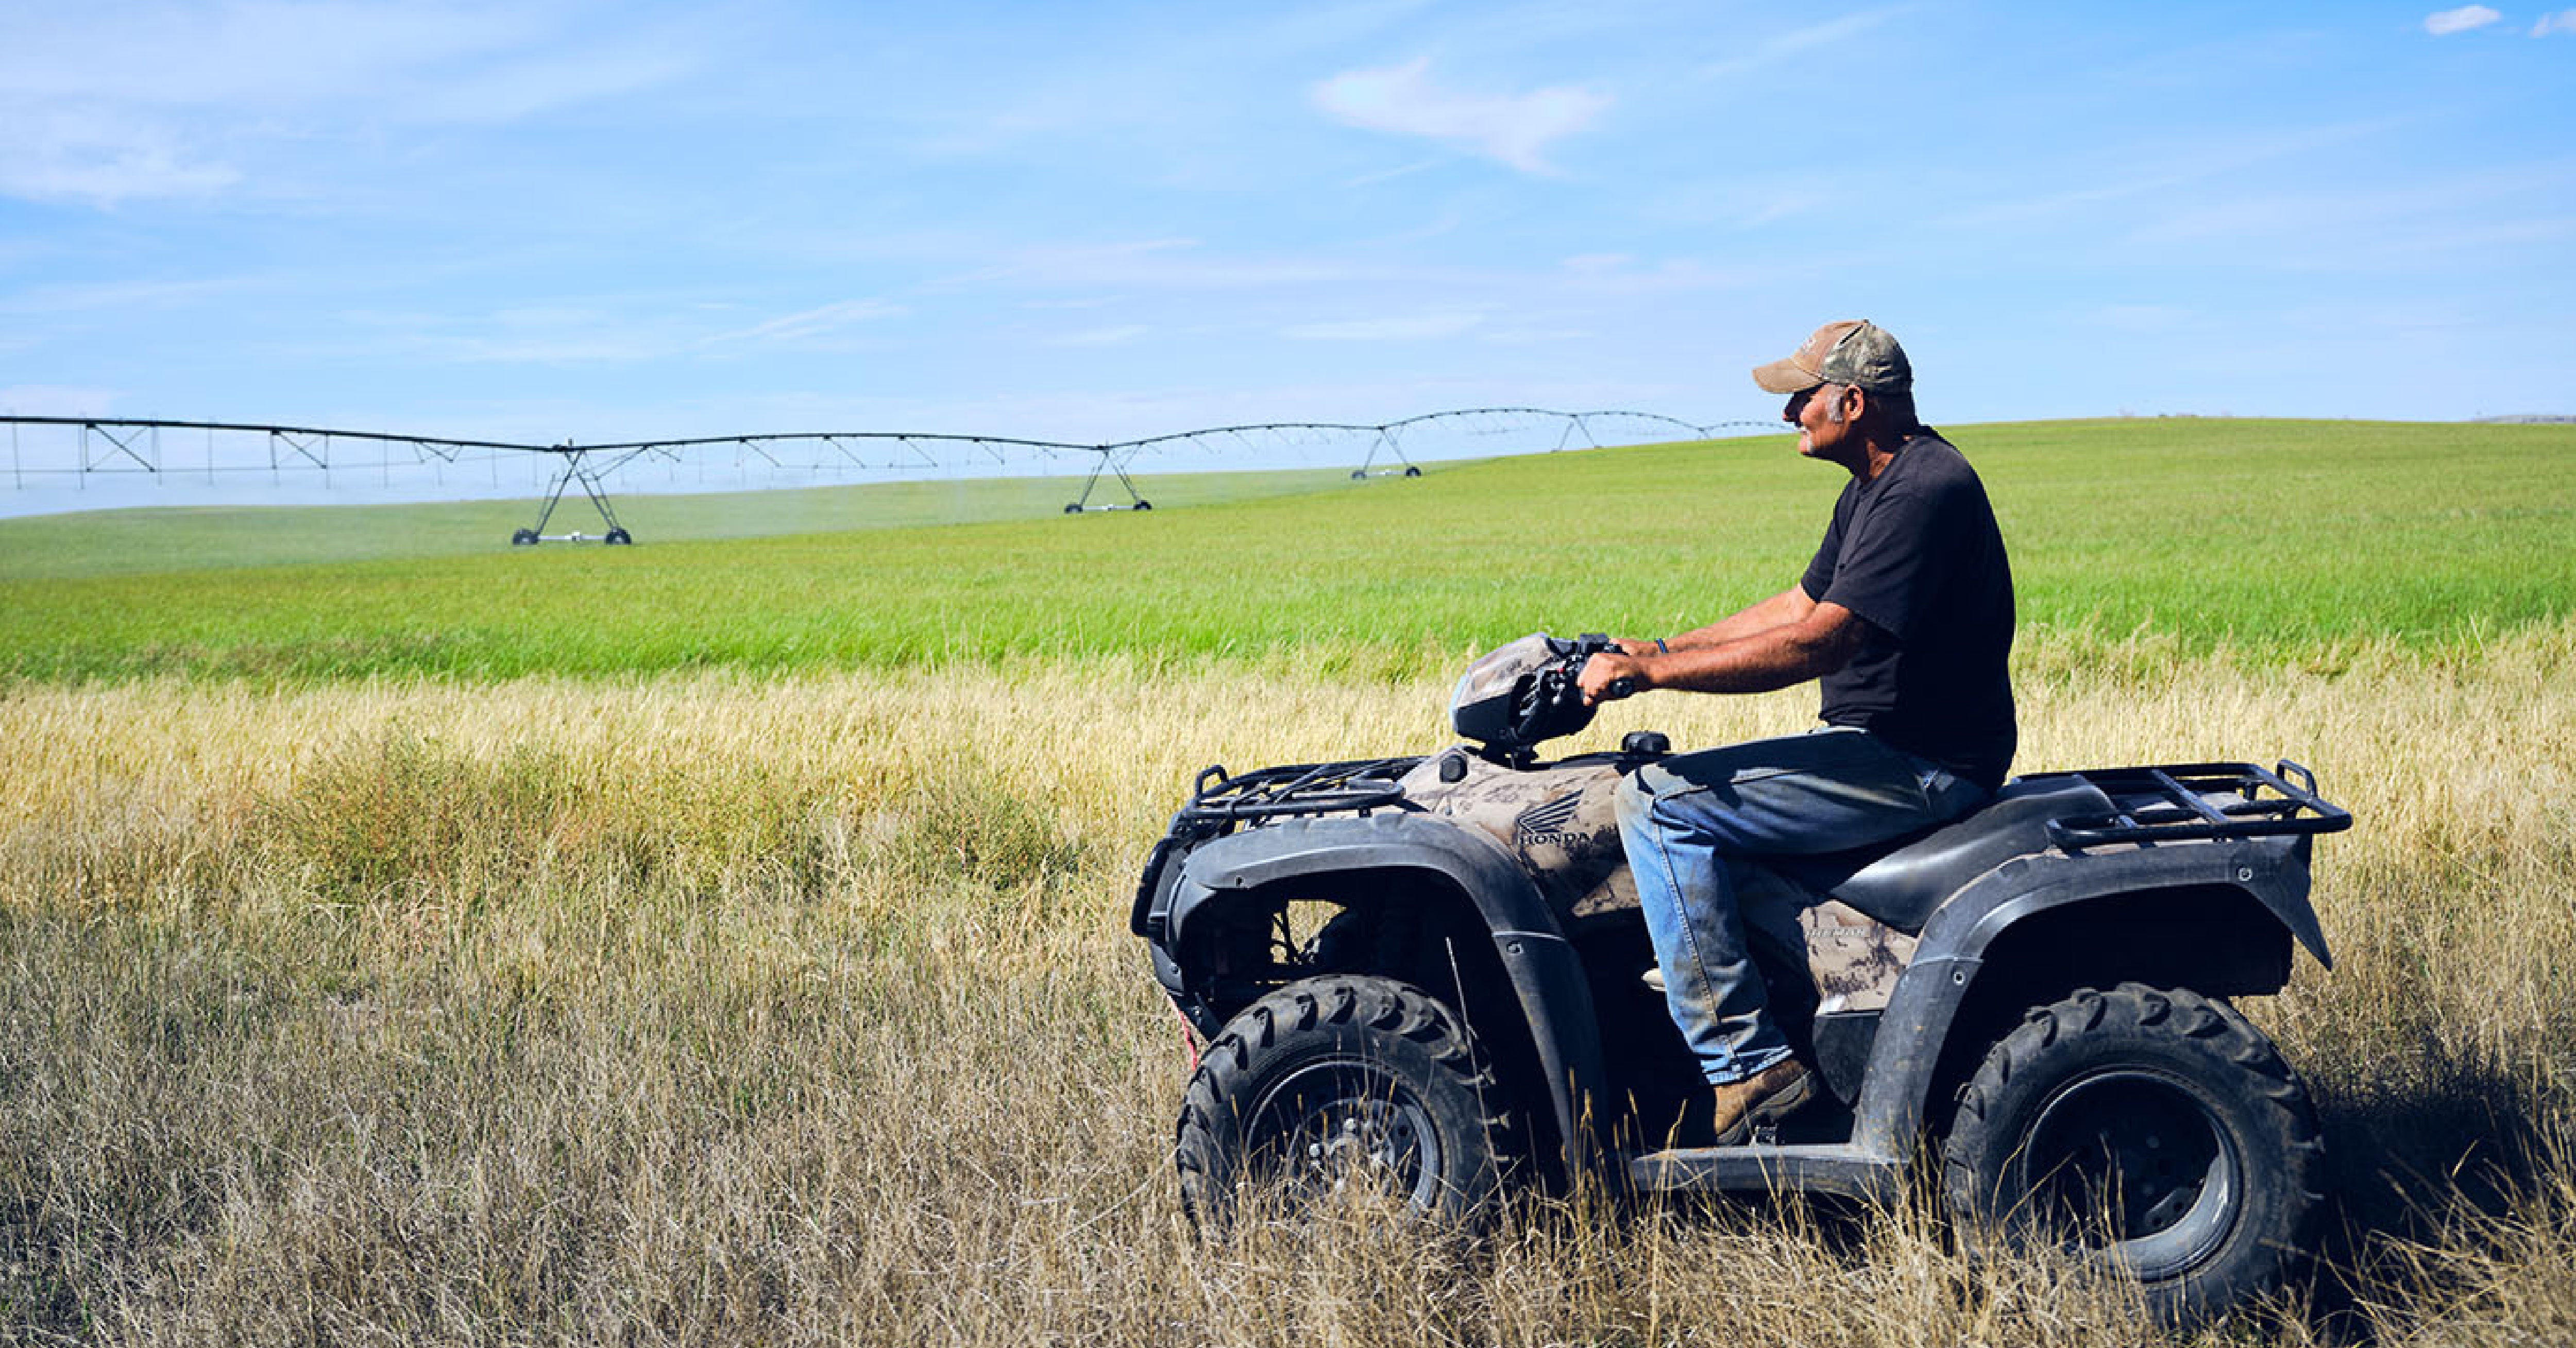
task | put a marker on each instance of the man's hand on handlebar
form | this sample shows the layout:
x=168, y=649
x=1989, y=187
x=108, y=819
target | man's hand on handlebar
x=1612, y=675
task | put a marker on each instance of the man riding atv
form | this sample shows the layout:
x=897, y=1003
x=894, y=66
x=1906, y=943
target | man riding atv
x=1905, y=616
x=1430, y=974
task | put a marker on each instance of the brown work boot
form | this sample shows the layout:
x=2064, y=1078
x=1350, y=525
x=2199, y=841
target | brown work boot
x=1767, y=1096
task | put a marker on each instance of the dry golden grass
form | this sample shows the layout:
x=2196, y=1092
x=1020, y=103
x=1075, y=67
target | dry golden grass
x=711, y=1009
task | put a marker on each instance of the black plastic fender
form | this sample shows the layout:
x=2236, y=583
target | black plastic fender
x=1546, y=975
x=1946, y=962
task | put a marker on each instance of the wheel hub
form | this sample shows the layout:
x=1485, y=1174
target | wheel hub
x=1347, y=1125
x=2132, y=1163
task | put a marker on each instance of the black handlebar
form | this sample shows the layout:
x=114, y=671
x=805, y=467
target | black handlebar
x=1580, y=653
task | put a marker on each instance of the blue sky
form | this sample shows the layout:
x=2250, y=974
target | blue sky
x=544, y=220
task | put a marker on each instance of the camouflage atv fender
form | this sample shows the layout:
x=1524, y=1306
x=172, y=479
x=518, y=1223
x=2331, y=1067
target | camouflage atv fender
x=1546, y=976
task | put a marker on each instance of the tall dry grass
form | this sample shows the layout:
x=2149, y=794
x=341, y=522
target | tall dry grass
x=707, y=1009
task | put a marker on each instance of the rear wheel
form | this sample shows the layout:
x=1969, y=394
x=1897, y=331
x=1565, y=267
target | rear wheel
x=2157, y=1131
x=1339, y=1083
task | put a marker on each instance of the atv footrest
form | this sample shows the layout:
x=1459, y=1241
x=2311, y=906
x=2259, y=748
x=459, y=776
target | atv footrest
x=1834, y=1167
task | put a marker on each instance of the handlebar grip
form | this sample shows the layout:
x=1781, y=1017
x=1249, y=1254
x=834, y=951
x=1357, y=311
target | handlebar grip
x=1618, y=689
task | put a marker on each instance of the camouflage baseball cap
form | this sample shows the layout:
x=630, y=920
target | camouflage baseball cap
x=1854, y=351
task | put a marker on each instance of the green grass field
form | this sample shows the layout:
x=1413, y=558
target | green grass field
x=2281, y=539
x=405, y=939
x=145, y=539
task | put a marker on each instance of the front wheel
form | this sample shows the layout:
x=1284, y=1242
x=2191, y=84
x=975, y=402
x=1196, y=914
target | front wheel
x=2158, y=1131
x=1338, y=1083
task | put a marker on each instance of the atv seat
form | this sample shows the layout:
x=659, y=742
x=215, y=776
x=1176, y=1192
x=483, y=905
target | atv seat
x=1901, y=887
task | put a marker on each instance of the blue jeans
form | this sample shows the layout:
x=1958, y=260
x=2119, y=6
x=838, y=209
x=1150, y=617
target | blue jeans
x=1694, y=822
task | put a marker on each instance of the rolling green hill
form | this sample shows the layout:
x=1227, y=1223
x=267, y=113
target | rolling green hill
x=2271, y=537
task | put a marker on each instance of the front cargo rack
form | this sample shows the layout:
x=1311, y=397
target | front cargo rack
x=2182, y=802
x=1296, y=788
x=1220, y=801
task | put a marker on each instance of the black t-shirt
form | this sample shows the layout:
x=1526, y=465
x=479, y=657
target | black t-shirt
x=1917, y=554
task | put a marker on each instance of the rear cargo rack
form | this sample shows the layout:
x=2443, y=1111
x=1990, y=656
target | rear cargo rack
x=1296, y=788
x=2181, y=802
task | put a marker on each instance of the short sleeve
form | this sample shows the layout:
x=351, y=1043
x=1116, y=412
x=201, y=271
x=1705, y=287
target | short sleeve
x=1893, y=565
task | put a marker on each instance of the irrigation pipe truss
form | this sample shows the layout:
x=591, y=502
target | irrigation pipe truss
x=81, y=448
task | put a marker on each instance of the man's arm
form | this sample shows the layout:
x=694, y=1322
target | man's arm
x=1789, y=606
x=1817, y=644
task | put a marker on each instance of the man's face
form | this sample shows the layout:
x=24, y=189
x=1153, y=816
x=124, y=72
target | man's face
x=1812, y=412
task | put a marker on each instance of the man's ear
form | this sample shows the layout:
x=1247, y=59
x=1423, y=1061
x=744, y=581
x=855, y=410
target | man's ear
x=1835, y=413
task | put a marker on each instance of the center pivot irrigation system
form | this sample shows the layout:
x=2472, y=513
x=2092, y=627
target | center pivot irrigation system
x=80, y=449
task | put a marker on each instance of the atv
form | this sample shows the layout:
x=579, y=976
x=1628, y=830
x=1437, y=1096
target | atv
x=1429, y=975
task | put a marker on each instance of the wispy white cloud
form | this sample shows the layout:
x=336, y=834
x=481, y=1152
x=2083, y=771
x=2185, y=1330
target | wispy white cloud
x=1787, y=205
x=2444, y=22
x=101, y=155
x=991, y=95
x=1743, y=201
x=261, y=55
x=1510, y=129
x=582, y=349
x=1390, y=175
x=2186, y=162
x=91, y=297
x=529, y=86
x=1398, y=328
x=1594, y=264
x=111, y=101
x=1809, y=37
x=612, y=329
x=1672, y=276
x=1163, y=264
x=1533, y=336
x=2414, y=226
x=56, y=400
x=809, y=323
x=403, y=63
x=1115, y=335
x=2563, y=22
